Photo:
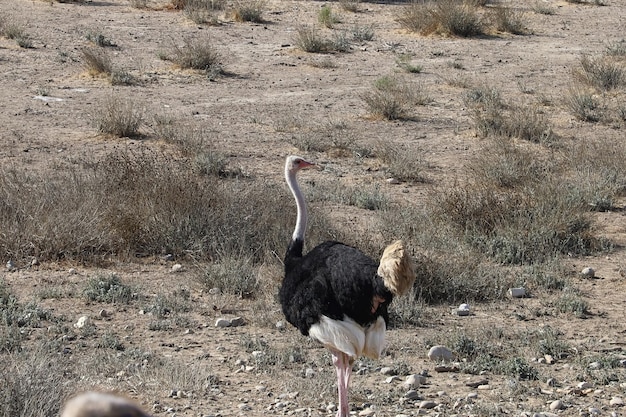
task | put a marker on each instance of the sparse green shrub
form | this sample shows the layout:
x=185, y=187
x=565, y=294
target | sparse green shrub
x=519, y=368
x=583, y=105
x=233, y=275
x=122, y=77
x=99, y=39
x=108, y=289
x=549, y=343
x=310, y=40
x=119, y=117
x=569, y=302
x=362, y=33
x=326, y=17
x=404, y=62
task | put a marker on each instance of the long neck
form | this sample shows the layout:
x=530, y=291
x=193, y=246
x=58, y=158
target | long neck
x=301, y=220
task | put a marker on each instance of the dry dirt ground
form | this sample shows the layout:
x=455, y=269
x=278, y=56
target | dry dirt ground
x=272, y=90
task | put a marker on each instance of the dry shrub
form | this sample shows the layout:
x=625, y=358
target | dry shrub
x=309, y=39
x=198, y=53
x=391, y=98
x=119, y=117
x=602, y=73
x=446, y=17
x=96, y=61
x=249, y=11
x=507, y=19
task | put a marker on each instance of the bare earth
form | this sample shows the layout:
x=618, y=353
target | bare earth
x=273, y=90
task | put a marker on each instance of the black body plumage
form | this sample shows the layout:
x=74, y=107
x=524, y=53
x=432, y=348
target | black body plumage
x=334, y=280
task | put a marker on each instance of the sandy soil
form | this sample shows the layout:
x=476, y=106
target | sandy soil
x=272, y=88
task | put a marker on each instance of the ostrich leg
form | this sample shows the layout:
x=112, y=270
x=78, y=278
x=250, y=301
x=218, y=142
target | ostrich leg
x=344, y=370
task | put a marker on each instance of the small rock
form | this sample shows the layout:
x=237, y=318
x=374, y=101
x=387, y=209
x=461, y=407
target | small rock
x=463, y=310
x=551, y=382
x=392, y=379
x=588, y=272
x=71, y=271
x=222, y=322
x=557, y=405
x=427, y=404
x=309, y=373
x=616, y=401
x=237, y=321
x=584, y=385
x=393, y=181
x=82, y=322
x=104, y=314
x=10, y=265
x=440, y=353
x=169, y=257
x=412, y=395
x=367, y=412
x=594, y=411
x=475, y=383
x=549, y=359
x=517, y=292
x=414, y=381
x=177, y=268
x=386, y=370
x=280, y=325
x=34, y=262
x=215, y=291
x=595, y=365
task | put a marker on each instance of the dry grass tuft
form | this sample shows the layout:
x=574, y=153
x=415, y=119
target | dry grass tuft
x=119, y=117
x=446, y=17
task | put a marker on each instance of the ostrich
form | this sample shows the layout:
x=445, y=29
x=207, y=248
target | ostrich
x=97, y=404
x=337, y=295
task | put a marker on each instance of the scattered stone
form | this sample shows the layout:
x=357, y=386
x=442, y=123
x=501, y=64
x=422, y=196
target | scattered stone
x=104, y=314
x=616, y=401
x=440, y=353
x=222, y=322
x=71, y=271
x=595, y=365
x=393, y=181
x=412, y=395
x=169, y=257
x=392, y=379
x=584, y=385
x=463, y=310
x=446, y=368
x=237, y=321
x=427, y=404
x=280, y=325
x=472, y=396
x=331, y=408
x=244, y=407
x=475, y=383
x=588, y=272
x=517, y=292
x=414, y=381
x=387, y=370
x=11, y=265
x=215, y=291
x=557, y=405
x=82, y=322
x=309, y=373
x=367, y=412
x=177, y=268
x=551, y=382
x=622, y=363
x=34, y=262
x=594, y=411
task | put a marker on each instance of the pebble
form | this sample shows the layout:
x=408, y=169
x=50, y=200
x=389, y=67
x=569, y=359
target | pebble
x=594, y=411
x=517, y=292
x=177, y=268
x=557, y=405
x=477, y=382
x=222, y=322
x=237, y=321
x=386, y=370
x=414, y=381
x=280, y=325
x=427, y=404
x=595, y=365
x=392, y=379
x=82, y=322
x=393, y=181
x=71, y=271
x=463, y=310
x=584, y=385
x=367, y=412
x=309, y=373
x=440, y=353
x=412, y=395
x=104, y=314
x=616, y=401
x=10, y=265
x=588, y=272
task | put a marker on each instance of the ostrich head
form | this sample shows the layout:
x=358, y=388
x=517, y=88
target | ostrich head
x=295, y=164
